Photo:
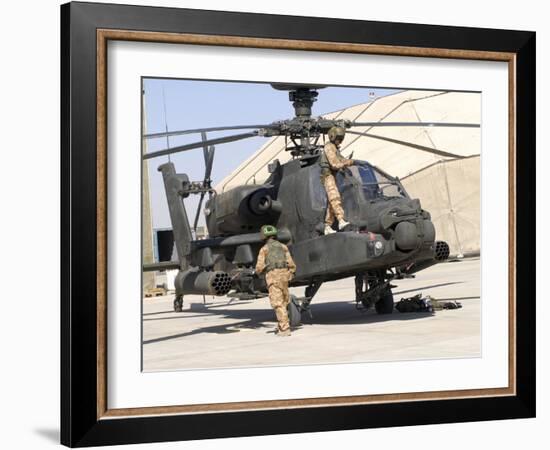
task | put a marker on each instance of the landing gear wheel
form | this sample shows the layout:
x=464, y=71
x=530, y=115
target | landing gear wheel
x=385, y=304
x=294, y=312
x=178, y=304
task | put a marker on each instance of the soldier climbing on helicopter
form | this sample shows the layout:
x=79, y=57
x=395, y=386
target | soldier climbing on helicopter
x=331, y=162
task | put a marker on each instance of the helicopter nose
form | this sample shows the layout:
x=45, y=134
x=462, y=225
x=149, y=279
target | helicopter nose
x=405, y=236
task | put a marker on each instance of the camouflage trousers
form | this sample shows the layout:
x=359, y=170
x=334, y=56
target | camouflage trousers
x=334, y=203
x=277, y=284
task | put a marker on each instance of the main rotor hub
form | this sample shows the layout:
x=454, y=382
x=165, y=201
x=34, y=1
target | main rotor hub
x=303, y=130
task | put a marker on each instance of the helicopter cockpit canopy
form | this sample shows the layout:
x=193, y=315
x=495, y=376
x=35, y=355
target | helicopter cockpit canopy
x=375, y=184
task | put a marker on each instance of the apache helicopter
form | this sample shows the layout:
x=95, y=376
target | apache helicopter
x=389, y=237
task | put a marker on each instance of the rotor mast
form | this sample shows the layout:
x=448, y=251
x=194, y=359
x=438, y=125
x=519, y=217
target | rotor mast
x=302, y=100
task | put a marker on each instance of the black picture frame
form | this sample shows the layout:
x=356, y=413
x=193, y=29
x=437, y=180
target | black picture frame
x=81, y=424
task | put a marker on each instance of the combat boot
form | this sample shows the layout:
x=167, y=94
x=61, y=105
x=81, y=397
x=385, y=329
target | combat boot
x=342, y=224
x=282, y=333
x=329, y=230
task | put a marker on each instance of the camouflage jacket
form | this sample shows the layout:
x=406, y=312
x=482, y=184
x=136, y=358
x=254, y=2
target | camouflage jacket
x=332, y=159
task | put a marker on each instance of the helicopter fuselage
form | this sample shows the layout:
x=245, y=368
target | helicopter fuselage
x=387, y=228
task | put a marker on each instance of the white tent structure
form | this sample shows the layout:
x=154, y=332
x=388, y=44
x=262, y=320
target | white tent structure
x=447, y=186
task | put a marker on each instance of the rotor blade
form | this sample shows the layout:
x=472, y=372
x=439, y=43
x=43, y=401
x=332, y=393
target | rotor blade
x=201, y=130
x=208, y=153
x=204, y=148
x=409, y=144
x=415, y=124
x=182, y=148
x=209, y=162
x=208, y=171
x=198, y=212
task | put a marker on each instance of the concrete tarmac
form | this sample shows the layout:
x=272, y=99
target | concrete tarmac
x=223, y=333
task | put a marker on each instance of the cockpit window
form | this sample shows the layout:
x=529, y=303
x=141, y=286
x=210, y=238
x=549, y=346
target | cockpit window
x=317, y=191
x=375, y=184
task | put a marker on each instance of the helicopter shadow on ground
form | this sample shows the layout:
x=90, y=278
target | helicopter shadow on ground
x=346, y=313
x=418, y=290
x=194, y=307
x=327, y=313
x=217, y=329
x=198, y=308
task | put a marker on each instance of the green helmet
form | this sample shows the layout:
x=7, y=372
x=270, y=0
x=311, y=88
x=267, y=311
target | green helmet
x=268, y=230
x=336, y=133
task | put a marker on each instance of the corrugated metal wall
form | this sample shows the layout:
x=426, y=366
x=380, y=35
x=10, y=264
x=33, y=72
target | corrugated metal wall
x=450, y=191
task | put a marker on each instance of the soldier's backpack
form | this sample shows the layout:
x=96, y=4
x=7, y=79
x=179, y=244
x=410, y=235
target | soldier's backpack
x=424, y=304
x=414, y=304
x=276, y=256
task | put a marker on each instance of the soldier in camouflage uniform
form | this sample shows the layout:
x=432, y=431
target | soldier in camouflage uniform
x=331, y=162
x=274, y=258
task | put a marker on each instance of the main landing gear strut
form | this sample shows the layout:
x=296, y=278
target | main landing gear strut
x=374, y=288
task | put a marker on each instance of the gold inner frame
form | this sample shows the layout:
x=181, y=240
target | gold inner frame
x=104, y=35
